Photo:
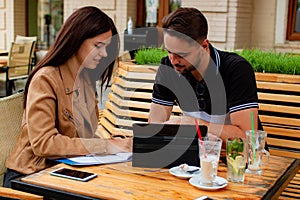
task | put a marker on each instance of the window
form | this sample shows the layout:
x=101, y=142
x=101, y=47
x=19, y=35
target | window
x=293, y=24
x=151, y=12
x=50, y=19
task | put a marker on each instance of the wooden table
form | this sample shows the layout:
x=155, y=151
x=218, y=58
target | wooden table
x=122, y=181
x=3, y=60
x=3, y=52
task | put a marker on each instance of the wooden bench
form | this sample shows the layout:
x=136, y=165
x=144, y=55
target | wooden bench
x=279, y=106
x=279, y=111
x=129, y=100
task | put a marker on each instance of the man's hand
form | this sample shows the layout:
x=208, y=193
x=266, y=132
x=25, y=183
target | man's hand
x=181, y=120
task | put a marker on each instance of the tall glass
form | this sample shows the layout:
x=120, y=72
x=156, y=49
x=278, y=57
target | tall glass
x=236, y=159
x=256, y=151
x=209, y=152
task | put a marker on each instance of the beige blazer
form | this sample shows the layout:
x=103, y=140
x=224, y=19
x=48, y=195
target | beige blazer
x=59, y=120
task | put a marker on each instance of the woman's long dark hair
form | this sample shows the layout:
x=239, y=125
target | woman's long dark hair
x=84, y=23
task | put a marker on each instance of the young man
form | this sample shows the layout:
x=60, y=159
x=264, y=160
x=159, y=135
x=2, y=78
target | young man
x=215, y=87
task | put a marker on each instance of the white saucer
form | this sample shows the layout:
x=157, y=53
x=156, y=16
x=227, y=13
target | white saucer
x=178, y=172
x=222, y=182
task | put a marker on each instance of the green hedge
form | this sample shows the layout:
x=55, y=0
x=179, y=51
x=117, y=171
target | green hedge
x=262, y=61
x=270, y=62
x=151, y=56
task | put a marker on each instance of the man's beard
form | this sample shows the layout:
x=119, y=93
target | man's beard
x=186, y=70
x=192, y=68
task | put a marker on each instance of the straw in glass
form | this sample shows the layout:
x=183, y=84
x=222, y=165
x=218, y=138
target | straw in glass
x=253, y=137
x=200, y=138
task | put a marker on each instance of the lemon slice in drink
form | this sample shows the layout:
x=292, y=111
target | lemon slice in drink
x=236, y=163
x=231, y=162
x=240, y=161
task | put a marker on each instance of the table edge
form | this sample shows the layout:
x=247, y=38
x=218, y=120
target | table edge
x=277, y=188
x=18, y=184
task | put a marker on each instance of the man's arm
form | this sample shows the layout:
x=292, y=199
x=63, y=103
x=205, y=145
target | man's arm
x=240, y=122
x=159, y=113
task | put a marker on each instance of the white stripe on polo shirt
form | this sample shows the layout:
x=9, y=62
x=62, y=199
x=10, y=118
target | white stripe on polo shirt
x=217, y=58
x=162, y=102
x=243, y=106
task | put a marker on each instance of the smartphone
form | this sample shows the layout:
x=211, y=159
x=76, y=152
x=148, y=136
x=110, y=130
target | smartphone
x=204, y=198
x=73, y=174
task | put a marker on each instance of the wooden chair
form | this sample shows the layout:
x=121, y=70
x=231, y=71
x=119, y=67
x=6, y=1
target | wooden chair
x=20, y=39
x=19, y=65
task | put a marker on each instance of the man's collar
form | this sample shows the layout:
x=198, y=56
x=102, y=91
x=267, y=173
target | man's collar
x=215, y=56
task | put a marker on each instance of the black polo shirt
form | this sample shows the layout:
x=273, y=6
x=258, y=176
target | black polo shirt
x=228, y=86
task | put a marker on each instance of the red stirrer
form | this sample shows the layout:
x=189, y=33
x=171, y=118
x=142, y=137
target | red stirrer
x=200, y=137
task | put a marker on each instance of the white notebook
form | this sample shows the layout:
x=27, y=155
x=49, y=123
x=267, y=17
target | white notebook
x=97, y=159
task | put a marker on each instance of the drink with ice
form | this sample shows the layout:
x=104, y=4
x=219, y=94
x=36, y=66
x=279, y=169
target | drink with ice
x=256, y=151
x=236, y=159
x=209, y=168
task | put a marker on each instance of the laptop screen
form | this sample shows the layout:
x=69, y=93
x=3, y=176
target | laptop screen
x=165, y=145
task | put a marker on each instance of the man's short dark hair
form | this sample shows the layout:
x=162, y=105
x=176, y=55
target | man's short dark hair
x=187, y=21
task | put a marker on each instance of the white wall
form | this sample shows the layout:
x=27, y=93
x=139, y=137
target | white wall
x=233, y=24
x=236, y=24
x=263, y=24
x=6, y=23
x=118, y=10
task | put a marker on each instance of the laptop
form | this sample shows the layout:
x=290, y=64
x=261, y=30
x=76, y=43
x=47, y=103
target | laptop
x=165, y=145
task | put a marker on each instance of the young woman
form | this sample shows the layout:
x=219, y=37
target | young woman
x=60, y=107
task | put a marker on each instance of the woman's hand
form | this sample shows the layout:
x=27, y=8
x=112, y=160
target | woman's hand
x=117, y=145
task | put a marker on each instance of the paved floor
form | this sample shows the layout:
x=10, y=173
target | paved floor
x=101, y=105
x=19, y=85
x=2, y=89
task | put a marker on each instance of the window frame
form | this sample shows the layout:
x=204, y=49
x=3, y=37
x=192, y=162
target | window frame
x=292, y=11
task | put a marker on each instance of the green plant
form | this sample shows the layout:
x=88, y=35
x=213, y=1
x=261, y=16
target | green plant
x=261, y=61
x=150, y=56
x=234, y=147
x=271, y=62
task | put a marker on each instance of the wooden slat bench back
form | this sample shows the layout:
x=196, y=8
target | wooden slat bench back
x=279, y=106
x=279, y=111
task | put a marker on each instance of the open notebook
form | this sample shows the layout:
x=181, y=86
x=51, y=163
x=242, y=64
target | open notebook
x=96, y=159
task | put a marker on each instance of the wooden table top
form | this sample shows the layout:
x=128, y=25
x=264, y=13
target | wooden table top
x=2, y=51
x=122, y=181
x=3, y=60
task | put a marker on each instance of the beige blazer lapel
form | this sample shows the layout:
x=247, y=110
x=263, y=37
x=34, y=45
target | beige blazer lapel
x=84, y=106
